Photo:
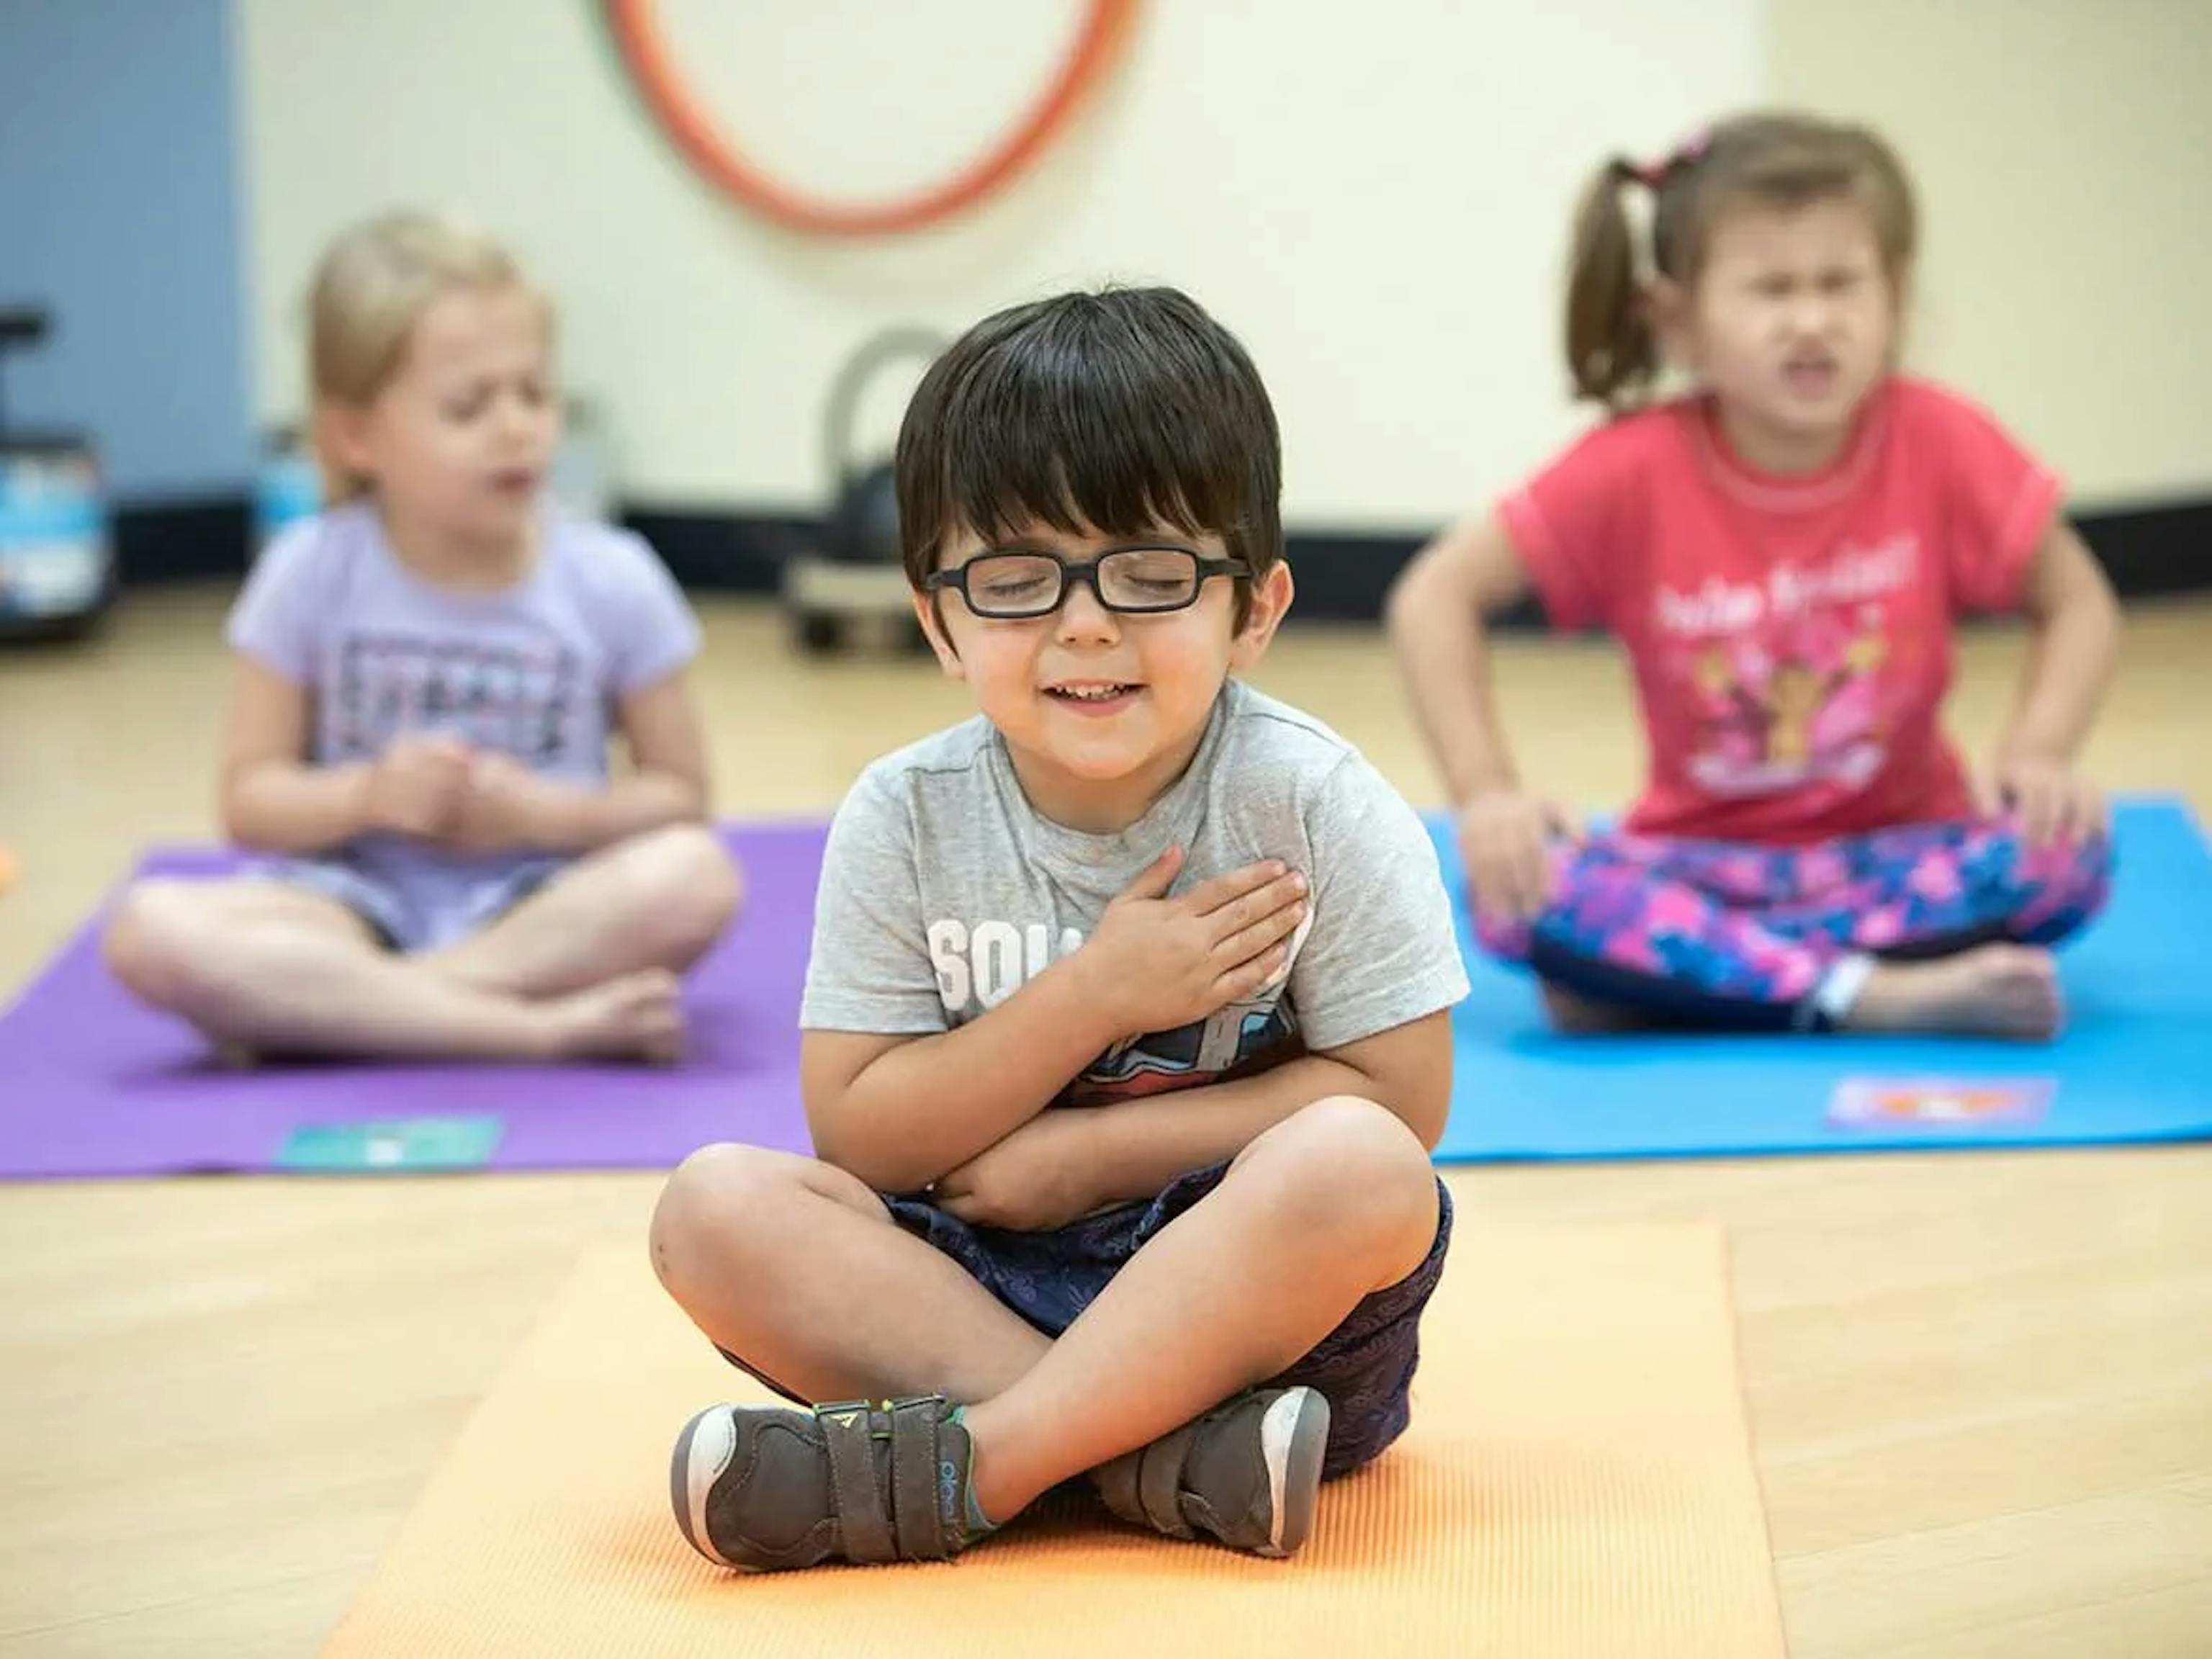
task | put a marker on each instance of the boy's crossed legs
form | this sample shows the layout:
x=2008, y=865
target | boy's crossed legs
x=583, y=967
x=800, y=1269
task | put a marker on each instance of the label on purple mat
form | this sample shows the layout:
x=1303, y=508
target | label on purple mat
x=402, y=1145
x=1939, y=1103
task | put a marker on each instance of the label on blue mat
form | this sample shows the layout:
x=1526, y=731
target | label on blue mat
x=402, y=1145
x=1939, y=1103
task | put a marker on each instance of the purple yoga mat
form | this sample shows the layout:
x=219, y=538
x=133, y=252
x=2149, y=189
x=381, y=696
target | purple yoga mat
x=93, y=1084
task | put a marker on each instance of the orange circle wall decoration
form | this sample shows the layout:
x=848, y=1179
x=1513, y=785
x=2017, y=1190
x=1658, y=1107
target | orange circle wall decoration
x=652, y=66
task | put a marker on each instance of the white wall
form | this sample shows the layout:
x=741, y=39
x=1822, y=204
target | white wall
x=2063, y=152
x=1375, y=198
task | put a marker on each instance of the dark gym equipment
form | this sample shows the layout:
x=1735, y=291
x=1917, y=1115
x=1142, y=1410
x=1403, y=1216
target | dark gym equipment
x=855, y=578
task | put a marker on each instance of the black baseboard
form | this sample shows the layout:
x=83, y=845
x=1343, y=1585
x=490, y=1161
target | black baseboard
x=716, y=552
x=173, y=541
x=2159, y=549
x=1343, y=576
x=1346, y=575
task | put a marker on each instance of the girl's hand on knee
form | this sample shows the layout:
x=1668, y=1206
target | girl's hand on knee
x=2053, y=804
x=1036, y=1179
x=1505, y=839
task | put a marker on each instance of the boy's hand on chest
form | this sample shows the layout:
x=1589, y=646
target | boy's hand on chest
x=1156, y=963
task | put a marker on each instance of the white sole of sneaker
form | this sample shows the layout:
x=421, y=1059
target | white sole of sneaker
x=702, y=1451
x=1293, y=1435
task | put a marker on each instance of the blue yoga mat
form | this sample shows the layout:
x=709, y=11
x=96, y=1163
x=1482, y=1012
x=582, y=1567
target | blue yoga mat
x=2135, y=1063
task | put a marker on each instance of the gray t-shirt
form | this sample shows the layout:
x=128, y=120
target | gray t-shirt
x=943, y=890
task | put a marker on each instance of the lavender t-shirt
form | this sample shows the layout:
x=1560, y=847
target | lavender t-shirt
x=533, y=671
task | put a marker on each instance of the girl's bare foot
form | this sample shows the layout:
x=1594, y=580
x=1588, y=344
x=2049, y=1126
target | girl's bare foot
x=1995, y=990
x=631, y=1016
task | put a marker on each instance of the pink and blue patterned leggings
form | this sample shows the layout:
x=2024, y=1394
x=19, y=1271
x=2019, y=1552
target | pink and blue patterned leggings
x=1727, y=935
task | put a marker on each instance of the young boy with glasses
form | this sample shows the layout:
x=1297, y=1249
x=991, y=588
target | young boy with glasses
x=1126, y=1025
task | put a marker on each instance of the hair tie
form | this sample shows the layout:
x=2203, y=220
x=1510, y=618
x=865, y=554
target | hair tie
x=1653, y=175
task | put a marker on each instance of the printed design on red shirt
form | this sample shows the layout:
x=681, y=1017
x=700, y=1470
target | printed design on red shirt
x=1784, y=676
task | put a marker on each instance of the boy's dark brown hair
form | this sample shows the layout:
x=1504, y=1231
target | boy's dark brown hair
x=1114, y=412
x=1779, y=160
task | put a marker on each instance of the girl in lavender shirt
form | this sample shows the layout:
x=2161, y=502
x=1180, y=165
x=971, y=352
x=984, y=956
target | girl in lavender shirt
x=429, y=676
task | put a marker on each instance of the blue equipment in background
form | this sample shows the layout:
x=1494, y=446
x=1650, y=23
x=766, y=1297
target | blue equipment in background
x=56, y=537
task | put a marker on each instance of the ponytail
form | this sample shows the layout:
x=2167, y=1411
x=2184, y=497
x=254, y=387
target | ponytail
x=1612, y=352
x=1778, y=160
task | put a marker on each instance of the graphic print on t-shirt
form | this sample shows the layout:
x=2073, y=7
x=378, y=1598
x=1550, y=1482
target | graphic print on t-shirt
x=979, y=965
x=1243, y=1037
x=520, y=697
x=1785, y=679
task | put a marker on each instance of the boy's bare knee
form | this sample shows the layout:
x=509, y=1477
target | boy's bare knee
x=719, y=1207
x=713, y=1190
x=1351, y=1126
x=1354, y=1160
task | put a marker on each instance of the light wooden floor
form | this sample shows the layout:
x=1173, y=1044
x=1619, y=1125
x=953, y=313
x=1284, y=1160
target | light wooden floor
x=1981, y=1386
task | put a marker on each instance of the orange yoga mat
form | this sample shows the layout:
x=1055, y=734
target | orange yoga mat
x=1577, y=1482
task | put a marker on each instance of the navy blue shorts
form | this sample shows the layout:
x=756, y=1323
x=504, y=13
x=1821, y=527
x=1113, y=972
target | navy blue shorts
x=1364, y=1366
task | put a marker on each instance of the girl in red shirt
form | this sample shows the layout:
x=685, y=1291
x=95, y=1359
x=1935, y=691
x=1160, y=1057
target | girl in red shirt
x=1784, y=551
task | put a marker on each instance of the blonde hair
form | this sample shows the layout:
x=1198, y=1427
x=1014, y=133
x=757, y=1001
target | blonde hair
x=370, y=289
x=1781, y=161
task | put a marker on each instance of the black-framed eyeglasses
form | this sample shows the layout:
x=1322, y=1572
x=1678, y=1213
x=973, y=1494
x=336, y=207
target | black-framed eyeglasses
x=1012, y=583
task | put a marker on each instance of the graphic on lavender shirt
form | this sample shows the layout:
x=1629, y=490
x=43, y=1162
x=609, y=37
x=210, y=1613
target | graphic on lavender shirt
x=533, y=671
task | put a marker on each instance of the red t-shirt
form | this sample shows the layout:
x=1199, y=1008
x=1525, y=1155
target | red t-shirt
x=1790, y=636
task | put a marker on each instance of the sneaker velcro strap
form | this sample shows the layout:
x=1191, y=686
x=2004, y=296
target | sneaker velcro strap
x=863, y=1527
x=1159, y=1481
x=917, y=1517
